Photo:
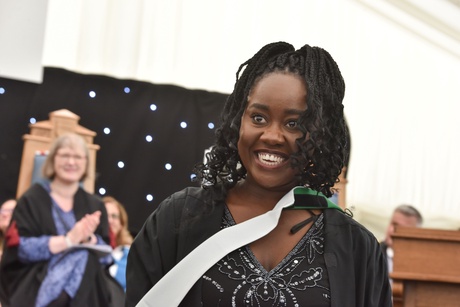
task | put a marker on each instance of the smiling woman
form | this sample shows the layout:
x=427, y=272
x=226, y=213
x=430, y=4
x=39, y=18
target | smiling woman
x=282, y=143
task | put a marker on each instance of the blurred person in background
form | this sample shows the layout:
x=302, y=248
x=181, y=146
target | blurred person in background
x=403, y=216
x=50, y=256
x=6, y=211
x=118, y=221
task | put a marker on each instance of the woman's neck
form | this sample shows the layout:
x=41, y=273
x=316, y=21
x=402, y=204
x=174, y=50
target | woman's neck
x=64, y=190
x=246, y=201
x=259, y=194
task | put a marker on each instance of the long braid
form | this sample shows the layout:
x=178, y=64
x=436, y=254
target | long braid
x=326, y=125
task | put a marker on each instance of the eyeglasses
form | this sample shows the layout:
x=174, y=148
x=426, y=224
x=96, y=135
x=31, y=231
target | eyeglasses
x=67, y=157
x=114, y=216
x=6, y=211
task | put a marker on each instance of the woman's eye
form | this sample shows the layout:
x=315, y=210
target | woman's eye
x=292, y=124
x=258, y=119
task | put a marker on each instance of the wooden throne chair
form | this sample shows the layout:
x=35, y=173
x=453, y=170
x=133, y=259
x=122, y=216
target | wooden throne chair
x=39, y=140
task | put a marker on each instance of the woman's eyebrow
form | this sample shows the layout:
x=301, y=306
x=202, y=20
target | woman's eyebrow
x=260, y=106
x=264, y=107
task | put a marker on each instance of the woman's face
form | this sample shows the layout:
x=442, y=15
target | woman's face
x=268, y=130
x=6, y=211
x=70, y=164
x=113, y=214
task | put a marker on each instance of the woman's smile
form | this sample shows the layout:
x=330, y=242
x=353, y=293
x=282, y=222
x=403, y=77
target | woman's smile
x=270, y=159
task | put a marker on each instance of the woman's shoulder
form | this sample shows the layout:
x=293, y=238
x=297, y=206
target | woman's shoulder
x=190, y=195
x=189, y=203
x=81, y=192
x=83, y=201
x=340, y=220
x=34, y=193
x=34, y=189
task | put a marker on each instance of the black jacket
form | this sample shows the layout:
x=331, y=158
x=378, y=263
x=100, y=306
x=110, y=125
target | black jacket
x=356, y=267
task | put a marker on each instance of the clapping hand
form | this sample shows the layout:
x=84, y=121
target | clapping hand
x=83, y=231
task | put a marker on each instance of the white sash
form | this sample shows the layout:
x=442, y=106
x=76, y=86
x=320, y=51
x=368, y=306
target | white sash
x=172, y=288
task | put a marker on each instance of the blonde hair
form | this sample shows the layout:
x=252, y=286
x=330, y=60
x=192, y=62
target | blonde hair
x=70, y=140
x=123, y=237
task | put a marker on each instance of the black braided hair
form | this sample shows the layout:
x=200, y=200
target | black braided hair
x=322, y=154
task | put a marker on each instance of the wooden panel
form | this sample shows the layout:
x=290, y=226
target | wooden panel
x=430, y=259
x=431, y=294
x=426, y=267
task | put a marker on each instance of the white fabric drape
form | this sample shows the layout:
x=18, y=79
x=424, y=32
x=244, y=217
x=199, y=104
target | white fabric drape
x=402, y=99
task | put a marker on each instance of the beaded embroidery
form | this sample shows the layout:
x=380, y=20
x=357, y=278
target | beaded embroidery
x=300, y=279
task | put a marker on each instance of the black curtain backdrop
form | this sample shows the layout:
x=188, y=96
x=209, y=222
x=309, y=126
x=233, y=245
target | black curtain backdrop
x=125, y=107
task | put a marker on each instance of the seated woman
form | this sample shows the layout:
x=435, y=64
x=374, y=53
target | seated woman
x=46, y=260
x=118, y=221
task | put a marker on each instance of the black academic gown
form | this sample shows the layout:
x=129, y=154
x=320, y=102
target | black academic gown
x=32, y=217
x=356, y=267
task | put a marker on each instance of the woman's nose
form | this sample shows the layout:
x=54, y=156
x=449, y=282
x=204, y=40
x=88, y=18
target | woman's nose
x=273, y=135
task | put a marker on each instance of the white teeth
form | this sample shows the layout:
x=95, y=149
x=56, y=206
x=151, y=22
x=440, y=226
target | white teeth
x=270, y=159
